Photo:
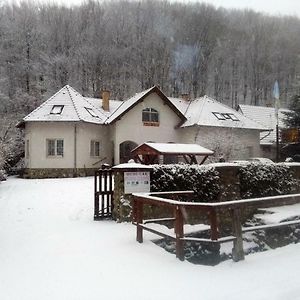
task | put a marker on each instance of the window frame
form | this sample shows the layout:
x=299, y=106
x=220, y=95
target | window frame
x=93, y=149
x=58, y=147
x=91, y=112
x=150, y=116
x=233, y=117
x=225, y=116
x=219, y=116
x=56, y=106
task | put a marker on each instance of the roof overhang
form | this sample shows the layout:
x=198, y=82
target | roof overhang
x=145, y=152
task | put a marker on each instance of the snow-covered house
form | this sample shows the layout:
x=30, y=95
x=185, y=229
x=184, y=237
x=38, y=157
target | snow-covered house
x=71, y=134
x=266, y=116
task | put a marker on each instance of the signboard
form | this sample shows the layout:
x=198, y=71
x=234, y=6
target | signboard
x=135, y=182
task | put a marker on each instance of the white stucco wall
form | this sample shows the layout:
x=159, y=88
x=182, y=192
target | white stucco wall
x=230, y=143
x=38, y=132
x=87, y=132
x=131, y=128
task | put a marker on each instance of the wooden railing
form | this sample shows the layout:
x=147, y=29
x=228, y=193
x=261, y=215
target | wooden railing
x=212, y=210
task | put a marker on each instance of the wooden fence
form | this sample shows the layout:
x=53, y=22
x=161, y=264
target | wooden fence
x=103, y=194
x=180, y=208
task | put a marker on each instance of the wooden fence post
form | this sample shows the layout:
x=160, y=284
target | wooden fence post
x=237, y=251
x=134, y=209
x=214, y=234
x=96, y=198
x=179, y=233
x=139, y=220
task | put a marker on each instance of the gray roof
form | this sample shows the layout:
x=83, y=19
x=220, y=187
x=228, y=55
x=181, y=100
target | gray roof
x=265, y=116
x=206, y=111
x=203, y=111
x=75, y=108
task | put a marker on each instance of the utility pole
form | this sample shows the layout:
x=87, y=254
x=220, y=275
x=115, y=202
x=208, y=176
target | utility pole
x=276, y=97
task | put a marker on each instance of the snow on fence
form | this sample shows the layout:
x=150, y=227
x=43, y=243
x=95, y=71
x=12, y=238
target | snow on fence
x=179, y=209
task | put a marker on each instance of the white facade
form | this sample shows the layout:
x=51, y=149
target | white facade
x=76, y=136
x=131, y=127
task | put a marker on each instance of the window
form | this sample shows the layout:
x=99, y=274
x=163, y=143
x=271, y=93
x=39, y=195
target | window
x=233, y=117
x=95, y=148
x=91, y=112
x=150, y=117
x=225, y=116
x=55, y=147
x=56, y=109
x=219, y=116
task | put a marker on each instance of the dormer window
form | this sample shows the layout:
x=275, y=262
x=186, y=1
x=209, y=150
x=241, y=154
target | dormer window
x=91, y=112
x=150, y=117
x=57, y=109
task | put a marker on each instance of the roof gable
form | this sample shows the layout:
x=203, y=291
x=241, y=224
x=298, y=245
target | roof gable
x=138, y=98
x=67, y=105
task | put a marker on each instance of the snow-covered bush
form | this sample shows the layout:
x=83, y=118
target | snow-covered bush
x=2, y=162
x=11, y=146
x=261, y=180
x=203, y=180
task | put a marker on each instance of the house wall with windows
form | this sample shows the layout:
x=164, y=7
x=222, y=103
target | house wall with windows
x=87, y=133
x=77, y=138
x=37, y=134
x=229, y=143
x=132, y=128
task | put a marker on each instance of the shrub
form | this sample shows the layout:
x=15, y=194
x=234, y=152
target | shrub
x=262, y=180
x=203, y=180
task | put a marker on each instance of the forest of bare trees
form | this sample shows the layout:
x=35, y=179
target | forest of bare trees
x=233, y=56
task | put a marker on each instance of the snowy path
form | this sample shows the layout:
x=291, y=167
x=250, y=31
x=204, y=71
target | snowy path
x=50, y=248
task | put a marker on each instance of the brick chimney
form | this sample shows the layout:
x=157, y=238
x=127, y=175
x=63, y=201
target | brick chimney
x=105, y=99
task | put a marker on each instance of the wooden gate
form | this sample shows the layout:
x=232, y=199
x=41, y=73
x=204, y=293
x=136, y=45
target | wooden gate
x=104, y=194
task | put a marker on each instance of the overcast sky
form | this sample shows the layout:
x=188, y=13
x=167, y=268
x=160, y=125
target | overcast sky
x=274, y=7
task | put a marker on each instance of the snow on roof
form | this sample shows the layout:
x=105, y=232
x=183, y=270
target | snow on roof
x=79, y=108
x=179, y=148
x=203, y=111
x=206, y=111
x=266, y=116
x=74, y=108
x=113, y=105
x=126, y=105
x=132, y=165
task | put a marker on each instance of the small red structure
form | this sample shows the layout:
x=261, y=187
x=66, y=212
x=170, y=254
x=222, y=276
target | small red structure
x=151, y=153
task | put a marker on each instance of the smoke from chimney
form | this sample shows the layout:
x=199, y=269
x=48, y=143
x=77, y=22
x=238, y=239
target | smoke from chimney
x=186, y=97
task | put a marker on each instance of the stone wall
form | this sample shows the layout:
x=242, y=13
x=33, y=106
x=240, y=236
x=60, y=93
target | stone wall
x=58, y=173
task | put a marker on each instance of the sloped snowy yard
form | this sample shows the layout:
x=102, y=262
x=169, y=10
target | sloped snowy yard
x=50, y=248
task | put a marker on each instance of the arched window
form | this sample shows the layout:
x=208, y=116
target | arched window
x=150, y=117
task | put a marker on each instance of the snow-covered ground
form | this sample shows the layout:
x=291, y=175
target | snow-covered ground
x=50, y=248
